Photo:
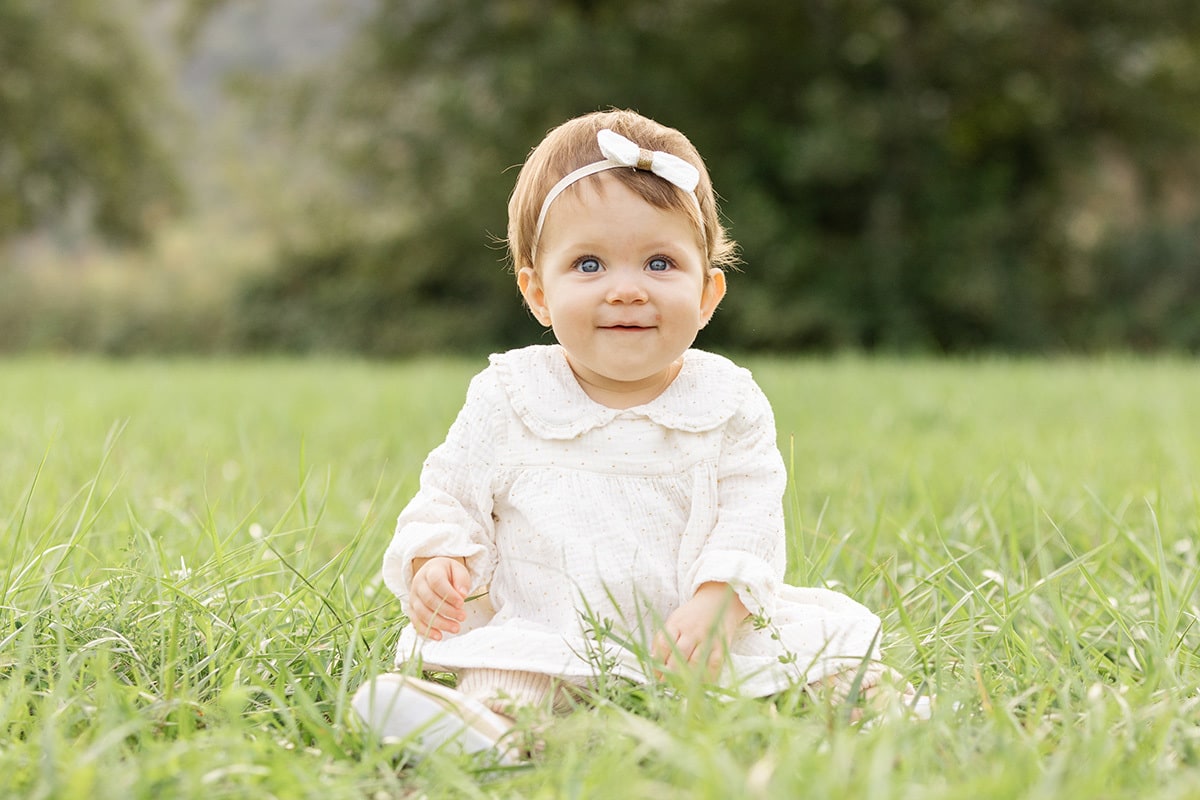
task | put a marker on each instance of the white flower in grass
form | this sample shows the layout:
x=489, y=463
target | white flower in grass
x=256, y=531
x=996, y=578
x=184, y=572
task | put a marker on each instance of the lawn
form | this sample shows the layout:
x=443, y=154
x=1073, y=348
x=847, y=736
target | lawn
x=190, y=590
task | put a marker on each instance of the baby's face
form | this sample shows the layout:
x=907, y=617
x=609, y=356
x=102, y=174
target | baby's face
x=624, y=285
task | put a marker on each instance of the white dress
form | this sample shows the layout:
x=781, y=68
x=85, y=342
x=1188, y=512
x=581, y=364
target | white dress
x=585, y=526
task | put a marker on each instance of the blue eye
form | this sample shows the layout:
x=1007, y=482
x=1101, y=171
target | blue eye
x=588, y=265
x=658, y=264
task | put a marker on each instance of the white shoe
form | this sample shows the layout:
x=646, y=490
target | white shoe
x=431, y=715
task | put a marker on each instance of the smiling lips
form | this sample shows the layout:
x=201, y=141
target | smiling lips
x=626, y=327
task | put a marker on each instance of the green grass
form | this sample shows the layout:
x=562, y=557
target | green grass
x=189, y=584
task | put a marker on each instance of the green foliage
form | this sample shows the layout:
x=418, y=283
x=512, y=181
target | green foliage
x=82, y=108
x=935, y=176
x=375, y=298
x=190, y=588
x=900, y=175
x=1146, y=288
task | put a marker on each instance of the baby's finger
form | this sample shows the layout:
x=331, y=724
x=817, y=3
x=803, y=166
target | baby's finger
x=441, y=584
x=442, y=608
x=441, y=601
x=658, y=653
x=687, y=650
x=664, y=647
x=432, y=617
x=434, y=628
x=460, y=578
x=420, y=623
x=659, y=649
x=419, y=616
x=715, y=663
x=679, y=654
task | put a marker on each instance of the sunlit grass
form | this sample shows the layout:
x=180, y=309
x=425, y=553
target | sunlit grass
x=190, y=590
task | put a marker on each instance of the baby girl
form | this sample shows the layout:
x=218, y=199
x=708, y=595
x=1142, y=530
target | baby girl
x=617, y=475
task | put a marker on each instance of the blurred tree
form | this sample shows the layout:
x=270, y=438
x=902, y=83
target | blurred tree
x=897, y=171
x=82, y=108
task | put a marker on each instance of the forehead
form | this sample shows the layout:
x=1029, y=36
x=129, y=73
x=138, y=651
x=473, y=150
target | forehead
x=603, y=206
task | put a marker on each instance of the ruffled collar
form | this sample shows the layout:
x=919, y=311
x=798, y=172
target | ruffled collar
x=547, y=397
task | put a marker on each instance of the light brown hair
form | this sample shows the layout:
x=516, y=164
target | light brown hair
x=573, y=145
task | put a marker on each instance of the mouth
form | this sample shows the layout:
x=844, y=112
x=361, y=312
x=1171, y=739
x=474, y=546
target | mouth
x=627, y=327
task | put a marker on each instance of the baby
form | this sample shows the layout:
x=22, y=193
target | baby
x=617, y=475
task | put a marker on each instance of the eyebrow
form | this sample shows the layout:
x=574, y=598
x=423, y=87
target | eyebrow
x=658, y=244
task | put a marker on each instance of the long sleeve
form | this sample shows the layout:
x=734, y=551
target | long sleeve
x=451, y=514
x=747, y=546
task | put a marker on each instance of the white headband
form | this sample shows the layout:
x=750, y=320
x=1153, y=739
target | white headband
x=621, y=152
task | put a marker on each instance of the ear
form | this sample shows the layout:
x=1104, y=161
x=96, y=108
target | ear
x=535, y=297
x=710, y=296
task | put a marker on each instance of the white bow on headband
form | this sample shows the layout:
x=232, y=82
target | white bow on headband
x=627, y=154
x=621, y=152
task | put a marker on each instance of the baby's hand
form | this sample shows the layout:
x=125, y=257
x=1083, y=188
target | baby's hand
x=697, y=634
x=438, y=595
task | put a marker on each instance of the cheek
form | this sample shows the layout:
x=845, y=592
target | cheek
x=566, y=296
x=684, y=310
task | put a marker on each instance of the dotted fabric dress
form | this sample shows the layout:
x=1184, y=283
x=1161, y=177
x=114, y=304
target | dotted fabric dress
x=570, y=513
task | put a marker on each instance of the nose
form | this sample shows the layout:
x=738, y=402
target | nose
x=626, y=288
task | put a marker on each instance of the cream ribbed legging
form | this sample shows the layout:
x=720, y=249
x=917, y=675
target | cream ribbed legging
x=505, y=690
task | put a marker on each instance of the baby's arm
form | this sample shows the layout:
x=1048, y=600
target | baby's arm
x=449, y=519
x=736, y=570
x=438, y=595
x=697, y=634
x=746, y=546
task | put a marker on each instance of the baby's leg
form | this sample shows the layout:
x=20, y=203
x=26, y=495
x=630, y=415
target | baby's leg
x=531, y=698
x=506, y=691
